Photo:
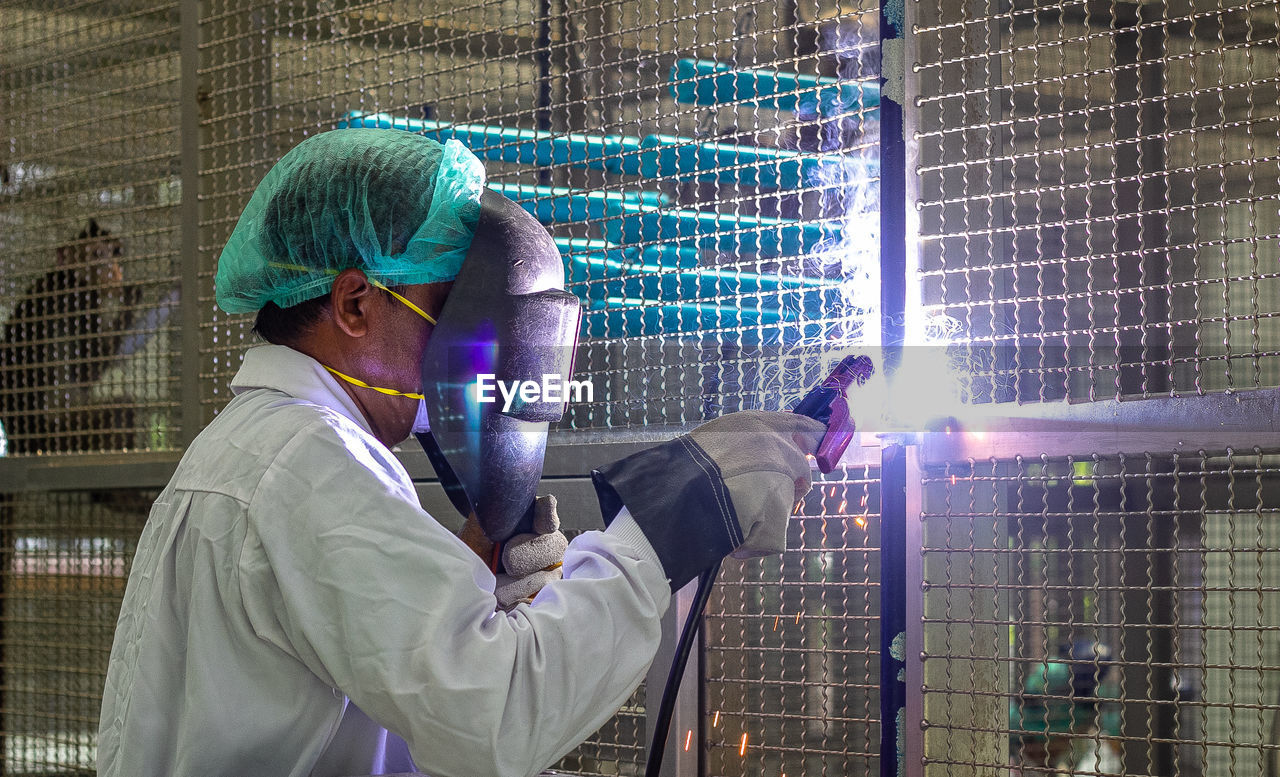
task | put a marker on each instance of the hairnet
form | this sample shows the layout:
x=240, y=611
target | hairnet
x=400, y=206
x=1047, y=707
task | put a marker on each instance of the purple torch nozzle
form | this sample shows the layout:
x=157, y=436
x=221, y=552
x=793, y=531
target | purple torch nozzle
x=827, y=403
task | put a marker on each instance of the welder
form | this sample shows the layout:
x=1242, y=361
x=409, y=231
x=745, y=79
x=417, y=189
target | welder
x=292, y=610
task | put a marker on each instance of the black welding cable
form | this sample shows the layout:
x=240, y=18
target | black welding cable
x=662, y=724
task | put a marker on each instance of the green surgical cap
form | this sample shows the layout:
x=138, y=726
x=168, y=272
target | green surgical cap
x=399, y=206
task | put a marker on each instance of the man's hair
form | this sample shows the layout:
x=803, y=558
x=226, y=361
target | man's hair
x=286, y=326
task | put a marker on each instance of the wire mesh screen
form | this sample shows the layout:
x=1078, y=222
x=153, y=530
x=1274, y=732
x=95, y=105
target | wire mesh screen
x=792, y=644
x=1107, y=615
x=88, y=201
x=1097, y=192
x=63, y=563
x=708, y=170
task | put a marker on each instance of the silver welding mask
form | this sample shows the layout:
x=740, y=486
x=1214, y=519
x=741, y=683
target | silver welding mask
x=504, y=342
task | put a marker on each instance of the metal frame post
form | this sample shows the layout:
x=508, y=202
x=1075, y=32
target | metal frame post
x=189, y=217
x=686, y=720
x=913, y=534
x=893, y=469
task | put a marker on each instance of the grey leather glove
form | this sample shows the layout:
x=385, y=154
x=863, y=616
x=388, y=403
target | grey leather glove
x=728, y=486
x=762, y=462
x=532, y=560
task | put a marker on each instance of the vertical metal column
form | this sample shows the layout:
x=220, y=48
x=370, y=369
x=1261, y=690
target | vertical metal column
x=893, y=470
x=189, y=217
x=913, y=643
x=686, y=720
x=893, y=606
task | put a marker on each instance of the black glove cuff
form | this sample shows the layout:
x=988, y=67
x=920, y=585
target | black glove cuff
x=677, y=496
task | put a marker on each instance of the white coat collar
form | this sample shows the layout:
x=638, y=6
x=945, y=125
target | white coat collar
x=281, y=368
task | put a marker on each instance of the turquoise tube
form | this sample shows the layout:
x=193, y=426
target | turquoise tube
x=628, y=316
x=708, y=82
x=653, y=156
x=727, y=232
x=732, y=163
x=559, y=204
x=631, y=291
x=511, y=144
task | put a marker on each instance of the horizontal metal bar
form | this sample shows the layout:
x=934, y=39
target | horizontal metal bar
x=565, y=458
x=87, y=472
x=576, y=504
x=1215, y=422
x=1240, y=421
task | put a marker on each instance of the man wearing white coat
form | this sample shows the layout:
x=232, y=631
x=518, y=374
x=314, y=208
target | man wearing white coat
x=292, y=610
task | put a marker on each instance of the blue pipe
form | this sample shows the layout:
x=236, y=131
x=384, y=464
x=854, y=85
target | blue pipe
x=631, y=220
x=686, y=287
x=631, y=291
x=731, y=163
x=511, y=144
x=560, y=204
x=616, y=315
x=707, y=82
x=653, y=156
x=727, y=232
x=601, y=259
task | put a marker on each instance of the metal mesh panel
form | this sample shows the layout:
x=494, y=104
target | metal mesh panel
x=1169, y=563
x=63, y=563
x=1097, y=190
x=708, y=171
x=89, y=107
x=792, y=645
x=616, y=748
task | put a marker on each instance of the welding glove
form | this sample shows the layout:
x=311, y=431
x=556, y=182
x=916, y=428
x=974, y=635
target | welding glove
x=729, y=486
x=532, y=560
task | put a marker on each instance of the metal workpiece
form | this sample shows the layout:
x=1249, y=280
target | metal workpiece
x=1237, y=421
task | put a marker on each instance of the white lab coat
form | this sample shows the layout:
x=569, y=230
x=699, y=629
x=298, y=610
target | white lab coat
x=289, y=590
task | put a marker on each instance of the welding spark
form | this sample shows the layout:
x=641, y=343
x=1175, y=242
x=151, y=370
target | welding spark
x=742, y=749
x=843, y=504
x=715, y=719
x=861, y=520
x=688, y=739
x=775, y=622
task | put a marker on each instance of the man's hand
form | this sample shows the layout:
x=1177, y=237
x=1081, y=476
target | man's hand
x=532, y=560
x=727, y=487
x=762, y=461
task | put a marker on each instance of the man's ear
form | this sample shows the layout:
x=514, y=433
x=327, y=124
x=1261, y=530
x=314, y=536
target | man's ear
x=349, y=302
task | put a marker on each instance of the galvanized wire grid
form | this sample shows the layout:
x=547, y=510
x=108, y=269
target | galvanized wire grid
x=1163, y=573
x=617, y=747
x=792, y=666
x=88, y=207
x=1097, y=190
x=697, y=165
x=64, y=560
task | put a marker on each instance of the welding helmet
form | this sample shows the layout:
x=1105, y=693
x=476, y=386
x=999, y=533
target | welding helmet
x=507, y=321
